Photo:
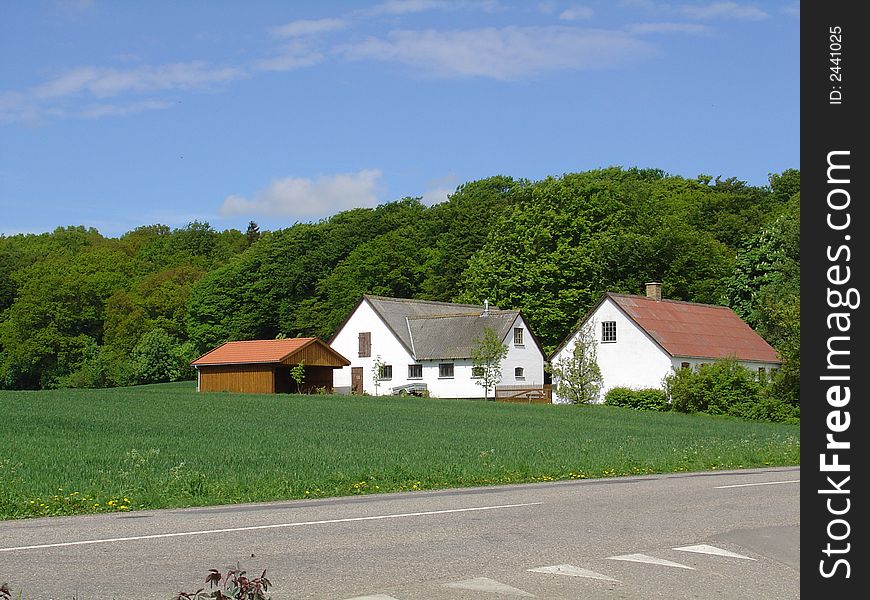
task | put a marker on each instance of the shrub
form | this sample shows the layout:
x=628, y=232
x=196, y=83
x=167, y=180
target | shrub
x=767, y=408
x=643, y=399
x=619, y=396
x=727, y=388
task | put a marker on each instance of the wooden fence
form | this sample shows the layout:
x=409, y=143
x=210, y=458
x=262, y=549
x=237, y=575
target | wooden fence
x=520, y=393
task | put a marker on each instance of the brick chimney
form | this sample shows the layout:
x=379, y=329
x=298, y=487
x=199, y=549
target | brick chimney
x=654, y=291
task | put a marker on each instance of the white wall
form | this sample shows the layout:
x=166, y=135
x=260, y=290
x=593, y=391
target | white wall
x=634, y=360
x=384, y=343
x=526, y=356
x=392, y=352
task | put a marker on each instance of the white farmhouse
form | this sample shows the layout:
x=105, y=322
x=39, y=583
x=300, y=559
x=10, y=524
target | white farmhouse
x=428, y=345
x=639, y=340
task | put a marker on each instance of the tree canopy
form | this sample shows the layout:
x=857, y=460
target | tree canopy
x=78, y=308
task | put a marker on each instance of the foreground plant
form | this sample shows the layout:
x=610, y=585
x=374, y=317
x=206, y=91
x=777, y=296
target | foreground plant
x=235, y=585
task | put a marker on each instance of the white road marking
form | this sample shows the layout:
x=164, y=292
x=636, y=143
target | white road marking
x=484, y=584
x=156, y=536
x=572, y=571
x=643, y=558
x=708, y=549
x=722, y=487
x=375, y=597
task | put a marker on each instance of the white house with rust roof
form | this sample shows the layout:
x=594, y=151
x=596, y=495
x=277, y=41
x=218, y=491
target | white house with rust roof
x=428, y=345
x=641, y=339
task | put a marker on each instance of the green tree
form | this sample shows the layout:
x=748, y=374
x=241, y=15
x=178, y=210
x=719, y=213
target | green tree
x=578, y=376
x=298, y=375
x=487, y=356
x=764, y=289
x=253, y=233
x=160, y=357
x=377, y=373
x=58, y=315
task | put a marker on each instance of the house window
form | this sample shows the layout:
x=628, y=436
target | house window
x=519, y=373
x=415, y=371
x=685, y=365
x=385, y=372
x=518, y=336
x=761, y=371
x=365, y=343
x=445, y=370
x=476, y=372
x=608, y=331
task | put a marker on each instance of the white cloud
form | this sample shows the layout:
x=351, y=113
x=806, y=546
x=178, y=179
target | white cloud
x=97, y=111
x=308, y=27
x=305, y=198
x=291, y=56
x=57, y=97
x=576, y=12
x=511, y=53
x=102, y=82
x=690, y=28
x=437, y=190
x=403, y=7
x=724, y=10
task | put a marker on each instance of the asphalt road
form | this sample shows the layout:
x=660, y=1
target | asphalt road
x=729, y=535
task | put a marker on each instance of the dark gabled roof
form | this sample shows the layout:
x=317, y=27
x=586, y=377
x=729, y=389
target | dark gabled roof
x=260, y=352
x=431, y=330
x=456, y=336
x=395, y=311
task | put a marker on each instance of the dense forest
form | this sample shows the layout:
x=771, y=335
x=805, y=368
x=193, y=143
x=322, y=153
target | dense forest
x=78, y=309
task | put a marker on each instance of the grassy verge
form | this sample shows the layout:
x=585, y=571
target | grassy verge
x=84, y=451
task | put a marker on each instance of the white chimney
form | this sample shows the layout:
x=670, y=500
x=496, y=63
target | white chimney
x=654, y=291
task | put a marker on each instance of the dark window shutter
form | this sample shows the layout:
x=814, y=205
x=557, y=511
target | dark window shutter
x=365, y=343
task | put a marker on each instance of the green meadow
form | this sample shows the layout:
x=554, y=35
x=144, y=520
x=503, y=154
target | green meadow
x=84, y=451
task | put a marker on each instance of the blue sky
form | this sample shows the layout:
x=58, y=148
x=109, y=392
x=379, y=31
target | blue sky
x=116, y=114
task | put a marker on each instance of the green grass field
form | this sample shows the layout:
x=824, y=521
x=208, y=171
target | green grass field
x=83, y=451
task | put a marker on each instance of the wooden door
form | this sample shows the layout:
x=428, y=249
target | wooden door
x=356, y=380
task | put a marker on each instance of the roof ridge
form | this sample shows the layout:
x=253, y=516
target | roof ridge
x=420, y=301
x=289, y=339
x=492, y=313
x=670, y=300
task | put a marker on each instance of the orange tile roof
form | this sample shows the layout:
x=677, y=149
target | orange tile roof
x=688, y=329
x=253, y=352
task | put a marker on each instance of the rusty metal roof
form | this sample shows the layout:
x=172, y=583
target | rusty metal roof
x=688, y=329
x=258, y=351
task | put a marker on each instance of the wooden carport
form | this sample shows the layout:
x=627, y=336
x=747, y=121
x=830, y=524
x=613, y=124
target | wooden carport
x=263, y=366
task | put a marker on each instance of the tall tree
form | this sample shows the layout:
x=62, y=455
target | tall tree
x=253, y=233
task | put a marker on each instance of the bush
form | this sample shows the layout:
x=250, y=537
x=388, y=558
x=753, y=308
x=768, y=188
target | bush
x=160, y=357
x=643, y=399
x=727, y=388
x=769, y=409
